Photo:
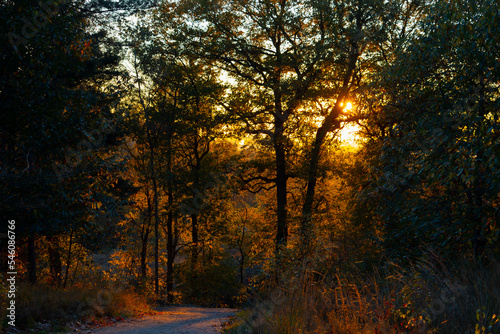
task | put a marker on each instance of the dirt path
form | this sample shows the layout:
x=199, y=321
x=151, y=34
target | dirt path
x=173, y=320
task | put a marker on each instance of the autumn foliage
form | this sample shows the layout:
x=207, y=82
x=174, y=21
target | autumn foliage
x=194, y=152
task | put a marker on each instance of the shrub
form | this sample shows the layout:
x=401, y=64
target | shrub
x=214, y=284
x=429, y=297
x=37, y=303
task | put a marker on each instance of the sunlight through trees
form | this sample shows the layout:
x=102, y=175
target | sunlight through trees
x=284, y=156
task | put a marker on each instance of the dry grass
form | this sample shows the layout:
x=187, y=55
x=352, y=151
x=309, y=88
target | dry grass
x=430, y=297
x=459, y=297
x=45, y=304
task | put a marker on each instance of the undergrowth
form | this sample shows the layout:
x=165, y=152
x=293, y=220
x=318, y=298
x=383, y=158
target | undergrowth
x=428, y=297
x=37, y=304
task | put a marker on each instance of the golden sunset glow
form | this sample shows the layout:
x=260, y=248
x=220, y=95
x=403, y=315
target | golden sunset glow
x=348, y=106
x=349, y=135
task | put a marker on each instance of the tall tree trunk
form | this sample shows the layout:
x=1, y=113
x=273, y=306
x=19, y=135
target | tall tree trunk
x=170, y=230
x=144, y=252
x=152, y=173
x=156, y=214
x=478, y=218
x=241, y=242
x=55, y=263
x=481, y=229
x=195, y=241
x=32, y=260
x=150, y=219
x=194, y=216
x=281, y=175
x=68, y=259
x=306, y=231
x=157, y=238
x=155, y=200
x=330, y=122
x=79, y=259
x=281, y=193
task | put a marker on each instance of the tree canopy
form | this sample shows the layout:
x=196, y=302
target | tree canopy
x=196, y=145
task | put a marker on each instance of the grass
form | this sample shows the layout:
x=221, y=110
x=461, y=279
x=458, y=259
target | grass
x=37, y=305
x=429, y=297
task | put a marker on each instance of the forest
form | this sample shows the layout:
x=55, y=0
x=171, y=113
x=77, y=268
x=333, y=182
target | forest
x=324, y=166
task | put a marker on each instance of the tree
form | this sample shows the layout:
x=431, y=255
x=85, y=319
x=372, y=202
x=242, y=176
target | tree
x=358, y=26
x=181, y=122
x=55, y=118
x=436, y=173
x=278, y=53
x=199, y=125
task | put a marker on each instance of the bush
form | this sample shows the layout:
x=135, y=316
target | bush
x=430, y=297
x=45, y=304
x=213, y=285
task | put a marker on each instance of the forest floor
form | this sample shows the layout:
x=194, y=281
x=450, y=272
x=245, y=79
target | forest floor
x=172, y=320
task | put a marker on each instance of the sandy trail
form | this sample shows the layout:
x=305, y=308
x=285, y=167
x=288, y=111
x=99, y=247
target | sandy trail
x=173, y=320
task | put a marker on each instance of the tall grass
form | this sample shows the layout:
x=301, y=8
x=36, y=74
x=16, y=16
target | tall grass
x=429, y=297
x=36, y=303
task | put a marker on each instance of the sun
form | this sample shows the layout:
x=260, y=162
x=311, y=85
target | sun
x=349, y=132
x=348, y=106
